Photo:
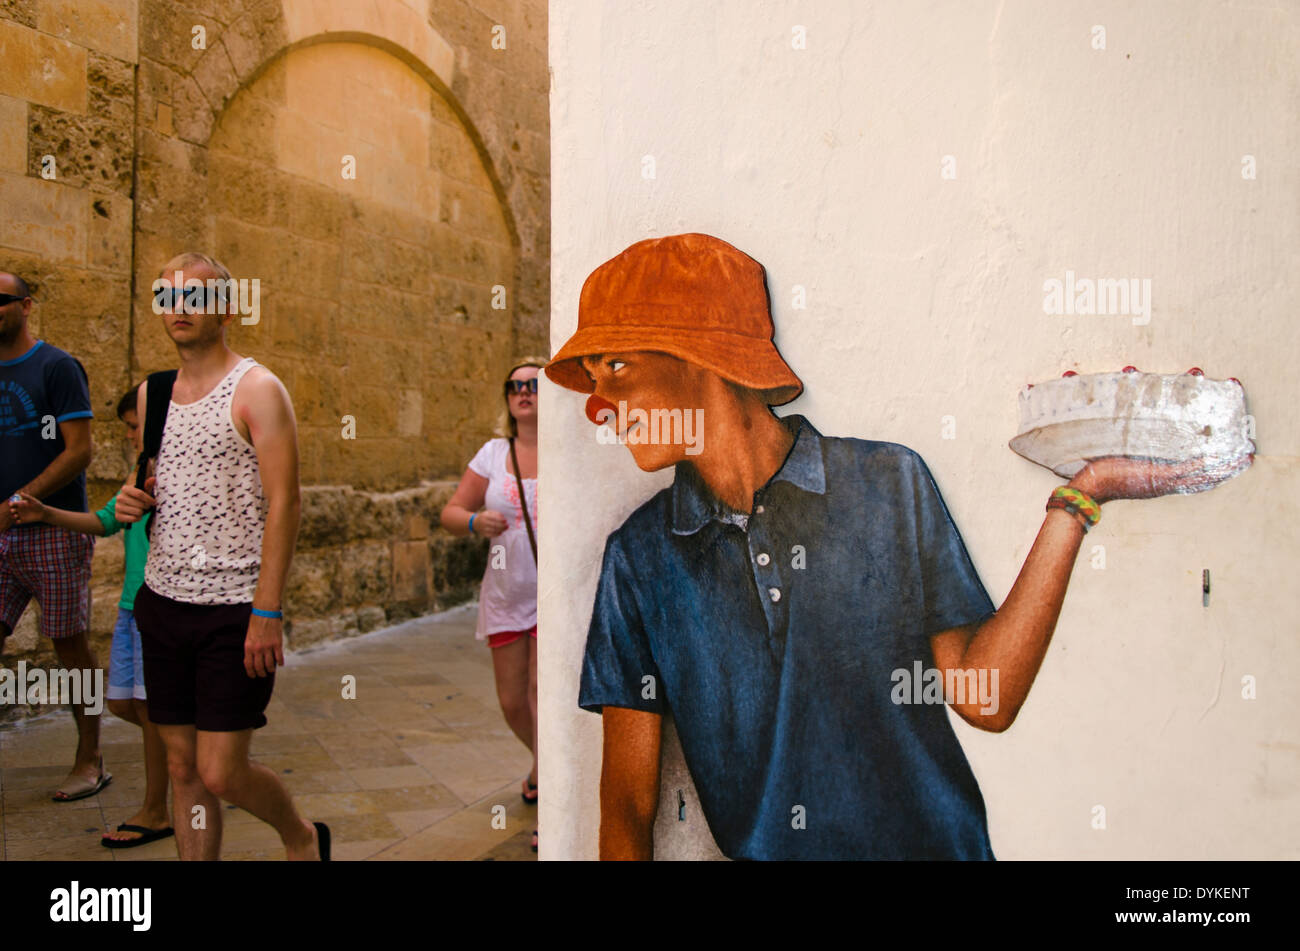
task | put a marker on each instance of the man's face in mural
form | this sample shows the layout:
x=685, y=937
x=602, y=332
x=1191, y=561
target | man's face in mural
x=649, y=381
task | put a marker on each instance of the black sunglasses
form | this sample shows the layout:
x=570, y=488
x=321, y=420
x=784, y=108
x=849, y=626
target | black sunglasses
x=192, y=300
x=7, y=299
x=519, y=386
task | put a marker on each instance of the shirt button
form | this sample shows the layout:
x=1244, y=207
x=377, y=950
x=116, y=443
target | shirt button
x=758, y=510
x=762, y=558
x=775, y=593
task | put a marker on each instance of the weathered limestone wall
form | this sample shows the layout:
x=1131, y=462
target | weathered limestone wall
x=67, y=89
x=368, y=559
x=222, y=125
x=377, y=291
x=67, y=118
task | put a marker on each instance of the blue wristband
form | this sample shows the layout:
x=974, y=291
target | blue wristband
x=471, y=522
x=276, y=615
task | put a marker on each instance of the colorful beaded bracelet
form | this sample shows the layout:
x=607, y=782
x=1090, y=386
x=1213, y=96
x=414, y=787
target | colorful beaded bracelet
x=1077, y=503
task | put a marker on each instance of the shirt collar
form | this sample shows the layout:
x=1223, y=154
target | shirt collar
x=694, y=504
x=17, y=360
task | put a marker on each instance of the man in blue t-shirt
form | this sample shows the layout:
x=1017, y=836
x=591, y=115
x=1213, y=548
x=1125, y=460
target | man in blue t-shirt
x=44, y=450
x=803, y=606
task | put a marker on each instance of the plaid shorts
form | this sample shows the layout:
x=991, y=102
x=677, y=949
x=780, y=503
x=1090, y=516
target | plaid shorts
x=52, y=565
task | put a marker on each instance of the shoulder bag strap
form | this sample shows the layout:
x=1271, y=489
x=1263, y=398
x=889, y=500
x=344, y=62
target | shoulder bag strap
x=523, y=500
x=159, y=396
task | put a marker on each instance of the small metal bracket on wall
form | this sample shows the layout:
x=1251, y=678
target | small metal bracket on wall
x=1205, y=587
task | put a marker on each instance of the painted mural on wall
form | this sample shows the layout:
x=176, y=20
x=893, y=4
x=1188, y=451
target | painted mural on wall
x=804, y=606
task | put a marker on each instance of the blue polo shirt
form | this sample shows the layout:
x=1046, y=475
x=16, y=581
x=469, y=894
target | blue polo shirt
x=44, y=382
x=773, y=639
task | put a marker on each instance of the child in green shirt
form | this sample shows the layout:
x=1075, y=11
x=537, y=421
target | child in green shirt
x=126, y=691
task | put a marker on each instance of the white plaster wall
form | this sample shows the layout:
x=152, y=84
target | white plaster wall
x=925, y=299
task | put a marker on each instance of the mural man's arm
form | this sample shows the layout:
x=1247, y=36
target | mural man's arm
x=1015, y=640
x=629, y=783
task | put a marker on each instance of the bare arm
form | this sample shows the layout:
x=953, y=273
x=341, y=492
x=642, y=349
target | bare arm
x=68, y=464
x=1014, y=641
x=266, y=410
x=32, y=509
x=63, y=468
x=629, y=783
x=467, y=501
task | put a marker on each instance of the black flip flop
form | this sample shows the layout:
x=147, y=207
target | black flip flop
x=146, y=835
x=323, y=840
x=532, y=788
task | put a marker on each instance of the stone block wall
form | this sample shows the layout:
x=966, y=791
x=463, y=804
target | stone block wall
x=369, y=559
x=133, y=129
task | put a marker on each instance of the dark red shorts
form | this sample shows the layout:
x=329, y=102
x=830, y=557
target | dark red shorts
x=194, y=664
x=503, y=638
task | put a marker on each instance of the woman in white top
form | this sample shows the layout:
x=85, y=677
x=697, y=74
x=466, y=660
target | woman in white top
x=487, y=503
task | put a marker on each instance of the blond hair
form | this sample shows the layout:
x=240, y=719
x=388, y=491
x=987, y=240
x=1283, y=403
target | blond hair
x=189, y=258
x=186, y=258
x=506, y=425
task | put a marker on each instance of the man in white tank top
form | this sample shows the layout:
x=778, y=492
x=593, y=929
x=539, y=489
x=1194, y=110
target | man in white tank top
x=226, y=516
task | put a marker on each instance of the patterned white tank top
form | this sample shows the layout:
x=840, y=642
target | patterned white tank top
x=206, y=546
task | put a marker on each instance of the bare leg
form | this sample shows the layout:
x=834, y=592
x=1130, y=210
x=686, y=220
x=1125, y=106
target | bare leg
x=510, y=665
x=515, y=666
x=75, y=653
x=153, y=813
x=123, y=709
x=532, y=700
x=155, y=767
x=204, y=842
x=532, y=709
x=229, y=773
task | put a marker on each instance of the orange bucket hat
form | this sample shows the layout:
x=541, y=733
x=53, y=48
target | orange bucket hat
x=690, y=295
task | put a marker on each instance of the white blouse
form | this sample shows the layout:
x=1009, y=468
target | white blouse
x=508, y=599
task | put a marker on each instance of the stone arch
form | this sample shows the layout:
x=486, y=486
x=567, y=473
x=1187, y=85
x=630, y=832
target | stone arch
x=256, y=39
x=377, y=291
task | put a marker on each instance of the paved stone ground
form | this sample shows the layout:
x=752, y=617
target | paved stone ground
x=410, y=769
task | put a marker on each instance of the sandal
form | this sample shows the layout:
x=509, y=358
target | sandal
x=534, y=840
x=146, y=835
x=529, y=795
x=81, y=788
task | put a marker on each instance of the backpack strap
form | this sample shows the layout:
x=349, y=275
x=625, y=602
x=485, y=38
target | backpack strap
x=158, y=394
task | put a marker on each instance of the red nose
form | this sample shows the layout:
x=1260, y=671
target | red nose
x=595, y=406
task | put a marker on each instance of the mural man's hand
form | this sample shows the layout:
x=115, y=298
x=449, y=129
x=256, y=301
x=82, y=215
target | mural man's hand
x=1119, y=477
